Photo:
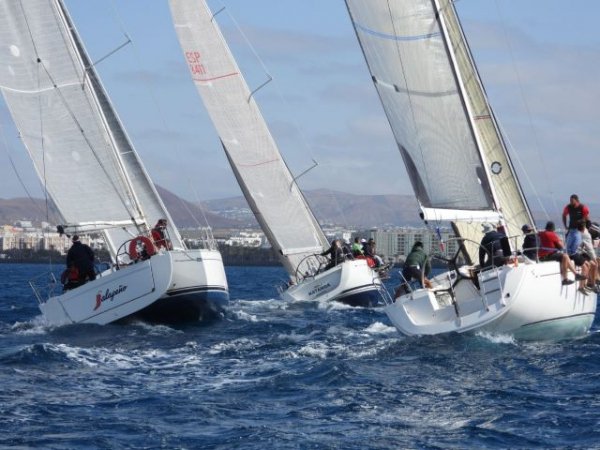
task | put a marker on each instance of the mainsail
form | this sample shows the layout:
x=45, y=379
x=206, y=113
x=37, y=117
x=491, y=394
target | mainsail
x=266, y=181
x=66, y=121
x=434, y=100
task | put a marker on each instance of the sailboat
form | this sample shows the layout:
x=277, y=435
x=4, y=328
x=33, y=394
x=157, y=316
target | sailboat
x=268, y=186
x=91, y=171
x=461, y=172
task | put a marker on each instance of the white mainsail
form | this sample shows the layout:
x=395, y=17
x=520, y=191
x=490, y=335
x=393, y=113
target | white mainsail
x=434, y=100
x=66, y=121
x=266, y=181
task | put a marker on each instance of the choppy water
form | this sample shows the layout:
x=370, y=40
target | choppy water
x=277, y=375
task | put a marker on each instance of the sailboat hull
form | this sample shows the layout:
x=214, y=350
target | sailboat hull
x=352, y=282
x=543, y=309
x=526, y=301
x=170, y=287
x=198, y=290
x=113, y=296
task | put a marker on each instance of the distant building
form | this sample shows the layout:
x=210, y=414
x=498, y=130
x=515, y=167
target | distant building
x=247, y=239
x=395, y=244
x=31, y=238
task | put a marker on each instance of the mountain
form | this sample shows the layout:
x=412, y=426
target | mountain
x=185, y=214
x=28, y=209
x=330, y=207
x=334, y=207
x=189, y=215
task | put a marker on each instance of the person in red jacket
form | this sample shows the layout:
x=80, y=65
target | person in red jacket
x=159, y=235
x=552, y=249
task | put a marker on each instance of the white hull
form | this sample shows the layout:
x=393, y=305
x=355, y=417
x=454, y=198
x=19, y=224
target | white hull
x=527, y=301
x=113, y=296
x=352, y=282
x=198, y=288
x=543, y=308
x=169, y=287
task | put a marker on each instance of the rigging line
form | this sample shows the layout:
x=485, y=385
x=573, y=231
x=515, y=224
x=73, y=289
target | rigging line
x=69, y=110
x=209, y=236
x=115, y=50
x=152, y=91
x=40, y=106
x=527, y=109
x=16, y=171
x=85, y=138
x=287, y=104
x=41, y=115
x=522, y=166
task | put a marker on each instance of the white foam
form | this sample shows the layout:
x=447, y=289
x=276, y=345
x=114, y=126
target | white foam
x=237, y=344
x=37, y=325
x=496, y=338
x=380, y=328
x=294, y=337
x=242, y=315
x=157, y=329
x=315, y=350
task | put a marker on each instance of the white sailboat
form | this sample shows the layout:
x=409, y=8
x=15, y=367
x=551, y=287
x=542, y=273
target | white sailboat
x=267, y=184
x=461, y=172
x=93, y=174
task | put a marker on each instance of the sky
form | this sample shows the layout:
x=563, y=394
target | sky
x=539, y=61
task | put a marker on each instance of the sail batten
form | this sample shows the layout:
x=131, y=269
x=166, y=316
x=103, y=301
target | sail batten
x=261, y=172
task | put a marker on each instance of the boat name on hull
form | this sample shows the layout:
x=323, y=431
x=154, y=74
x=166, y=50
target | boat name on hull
x=319, y=289
x=108, y=295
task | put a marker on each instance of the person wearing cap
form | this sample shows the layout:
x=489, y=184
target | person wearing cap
x=531, y=242
x=494, y=248
x=363, y=244
x=159, y=235
x=551, y=249
x=80, y=262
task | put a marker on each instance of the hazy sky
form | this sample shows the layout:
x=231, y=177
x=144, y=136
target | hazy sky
x=539, y=60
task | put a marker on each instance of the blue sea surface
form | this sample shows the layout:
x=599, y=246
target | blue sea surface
x=278, y=375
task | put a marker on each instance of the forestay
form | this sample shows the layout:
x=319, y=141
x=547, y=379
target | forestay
x=65, y=119
x=266, y=181
x=438, y=111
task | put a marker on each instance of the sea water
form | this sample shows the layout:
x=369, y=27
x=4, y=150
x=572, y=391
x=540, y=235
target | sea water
x=276, y=375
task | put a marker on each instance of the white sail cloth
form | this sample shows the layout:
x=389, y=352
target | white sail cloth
x=439, y=114
x=74, y=137
x=266, y=181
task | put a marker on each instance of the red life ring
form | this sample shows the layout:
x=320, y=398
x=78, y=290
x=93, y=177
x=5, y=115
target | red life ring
x=146, y=243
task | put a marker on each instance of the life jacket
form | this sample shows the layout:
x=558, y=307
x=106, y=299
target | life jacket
x=575, y=215
x=70, y=275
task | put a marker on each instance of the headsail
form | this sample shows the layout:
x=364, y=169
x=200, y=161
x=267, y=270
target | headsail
x=438, y=112
x=266, y=181
x=509, y=195
x=66, y=121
